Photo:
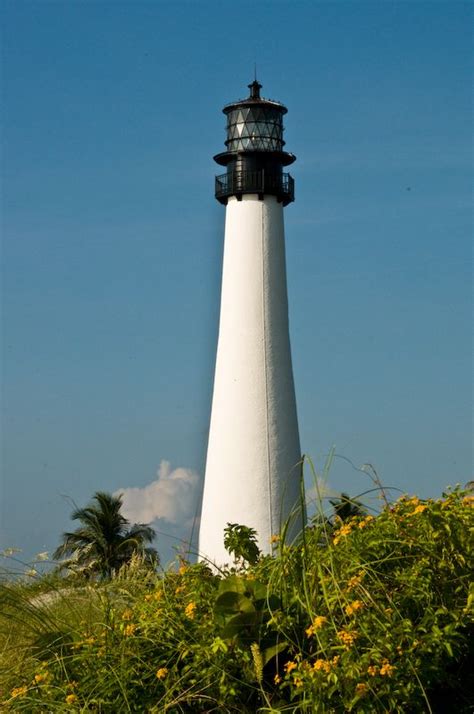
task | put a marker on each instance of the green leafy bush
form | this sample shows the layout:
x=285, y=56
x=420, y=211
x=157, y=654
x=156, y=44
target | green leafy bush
x=367, y=614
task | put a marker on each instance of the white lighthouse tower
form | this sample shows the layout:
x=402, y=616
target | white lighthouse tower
x=253, y=460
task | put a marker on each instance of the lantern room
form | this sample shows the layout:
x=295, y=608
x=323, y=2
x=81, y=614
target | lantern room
x=254, y=154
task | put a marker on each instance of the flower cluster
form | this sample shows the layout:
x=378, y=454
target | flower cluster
x=19, y=691
x=190, y=610
x=355, y=580
x=353, y=607
x=419, y=509
x=318, y=622
x=343, y=531
x=129, y=629
x=347, y=637
x=387, y=669
x=321, y=665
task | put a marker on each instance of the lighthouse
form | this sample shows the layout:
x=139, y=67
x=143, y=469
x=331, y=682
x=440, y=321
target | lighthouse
x=253, y=464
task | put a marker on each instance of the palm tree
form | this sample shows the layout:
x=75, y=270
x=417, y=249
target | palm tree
x=105, y=541
x=346, y=507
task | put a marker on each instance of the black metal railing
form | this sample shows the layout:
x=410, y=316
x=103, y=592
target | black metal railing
x=236, y=183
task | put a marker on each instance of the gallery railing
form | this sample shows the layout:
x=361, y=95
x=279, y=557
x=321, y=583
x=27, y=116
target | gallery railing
x=236, y=183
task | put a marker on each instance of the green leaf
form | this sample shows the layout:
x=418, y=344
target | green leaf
x=231, y=602
x=271, y=652
x=259, y=589
x=270, y=603
x=242, y=626
x=233, y=583
x=448, y=648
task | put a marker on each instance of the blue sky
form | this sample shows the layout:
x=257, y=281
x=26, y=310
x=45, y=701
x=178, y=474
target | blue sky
x=112, y=241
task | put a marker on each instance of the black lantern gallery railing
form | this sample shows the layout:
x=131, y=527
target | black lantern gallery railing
x=236, y=183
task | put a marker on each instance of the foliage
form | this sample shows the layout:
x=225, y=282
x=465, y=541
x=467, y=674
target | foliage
x=105, y=541
x=345, y=507
x=241, y=541
x=378, y=619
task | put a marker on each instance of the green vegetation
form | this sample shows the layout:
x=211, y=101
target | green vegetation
x=105, y=541
x=364, y=614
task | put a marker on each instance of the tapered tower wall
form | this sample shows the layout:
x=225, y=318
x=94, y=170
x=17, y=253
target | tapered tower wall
x=252, y=469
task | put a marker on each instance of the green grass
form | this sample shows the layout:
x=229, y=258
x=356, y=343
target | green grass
x=374, y=614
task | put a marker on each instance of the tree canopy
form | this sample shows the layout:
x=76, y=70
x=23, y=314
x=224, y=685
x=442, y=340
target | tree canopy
x=105, y=540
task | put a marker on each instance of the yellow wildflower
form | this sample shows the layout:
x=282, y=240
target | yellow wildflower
x=162, y=672
x=354, y=607
x=362, y=689
x=317, y=623
x=182, y=568
x=355, y=580
x=127, y=614
x=372, y=670
x=347, y=638
x=344, y=530
x=18, y=692
x=386, y=670
x=298, y=682
x=275, y=538
x=277, y=679
x=148, y=597
x=180, y=589
x=420, y=509
x=41, y=677
x=70, y=699
x=322, y=665
x=335, y=660
x=289, y=666
x=190, y=610
x=129, y=630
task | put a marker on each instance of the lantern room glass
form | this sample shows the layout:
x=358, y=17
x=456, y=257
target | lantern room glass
x=254, y=128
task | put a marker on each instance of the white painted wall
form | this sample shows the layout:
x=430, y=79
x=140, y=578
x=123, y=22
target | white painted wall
x=252, y=472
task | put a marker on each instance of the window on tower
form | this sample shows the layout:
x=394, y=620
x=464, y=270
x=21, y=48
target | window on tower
x=255, y=128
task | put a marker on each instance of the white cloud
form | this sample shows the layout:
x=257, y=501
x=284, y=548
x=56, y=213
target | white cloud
x=172, y=496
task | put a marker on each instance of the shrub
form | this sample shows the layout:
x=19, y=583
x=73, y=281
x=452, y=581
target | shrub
x=371, y=614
